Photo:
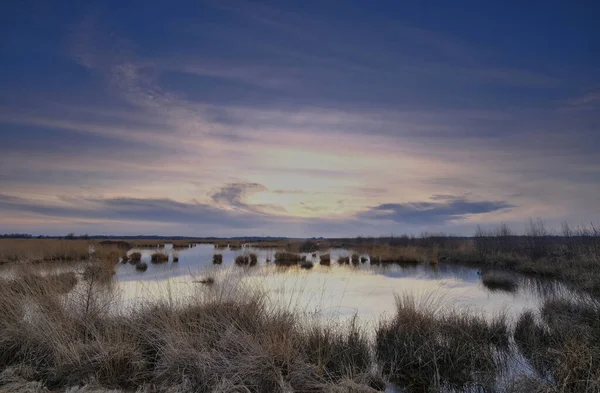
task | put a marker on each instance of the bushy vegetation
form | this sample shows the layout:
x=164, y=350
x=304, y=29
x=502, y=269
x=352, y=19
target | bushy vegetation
x=564, y=344
x=288, y=258
x=572, y=256
x=218, y=259
x=242, y=260
x=325, y=259
x=343, y=260
x=141, y=267
x=159, y=257
x=422, y=349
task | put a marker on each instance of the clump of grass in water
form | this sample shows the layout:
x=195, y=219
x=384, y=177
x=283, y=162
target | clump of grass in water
x=363, y=259
x=242, y=260
x=325, y=259
x=421, y=350
x=175, y=258
x=218, y=259
x=355, y=259
x=246, y=259
x=565, y=343
x=337, y=351
x=135, y=256
x=499, y=281
x=141, y=267
x=288, y=258
x=159, y=257
x=306, y=265
x=344, y=260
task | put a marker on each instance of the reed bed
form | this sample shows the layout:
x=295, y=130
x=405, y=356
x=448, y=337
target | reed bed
x=44, y=250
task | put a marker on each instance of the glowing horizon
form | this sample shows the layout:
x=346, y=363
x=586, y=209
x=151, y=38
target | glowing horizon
x=239, y=118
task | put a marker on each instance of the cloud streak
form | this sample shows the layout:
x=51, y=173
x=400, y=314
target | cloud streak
x=440, y=210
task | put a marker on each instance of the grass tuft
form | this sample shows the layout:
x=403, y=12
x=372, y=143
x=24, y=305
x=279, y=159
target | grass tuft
x=141, y=267
x=283, y=258
x=159, y=257
x=306, y=265
x=344, y=260
x=325, y=259
x=496, y=280
x=423, y=350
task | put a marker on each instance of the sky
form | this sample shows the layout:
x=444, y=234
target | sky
x=297, y=118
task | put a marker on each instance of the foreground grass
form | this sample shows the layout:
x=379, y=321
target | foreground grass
x=228, y=340
x=564, y=344
x=422, y=349
x=221, y=342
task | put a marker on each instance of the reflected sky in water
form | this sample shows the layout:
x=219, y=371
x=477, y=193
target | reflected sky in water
x=327, y=291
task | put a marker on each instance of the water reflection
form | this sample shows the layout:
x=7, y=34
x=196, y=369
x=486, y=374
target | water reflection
x=328, y=291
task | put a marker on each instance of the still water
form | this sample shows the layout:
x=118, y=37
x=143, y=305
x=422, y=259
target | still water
x=336, y=291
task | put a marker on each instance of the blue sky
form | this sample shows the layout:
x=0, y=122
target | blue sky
x=313, y=118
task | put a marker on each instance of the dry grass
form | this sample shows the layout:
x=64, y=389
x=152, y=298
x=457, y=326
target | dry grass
x=498, y=280
x=398, y=255
x=159, y=257
x=246, y=259
x=325, y=259
x=242, y=260
x=288, y=258
x=229, y=340
x=43, y=250
x=306, y=265
x=565, y=344
x=218, y=343
x=422, y=349
x=141, y=267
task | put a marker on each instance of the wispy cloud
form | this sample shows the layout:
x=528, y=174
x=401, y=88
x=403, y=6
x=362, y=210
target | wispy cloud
x=440, y=210
x=284, y=115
